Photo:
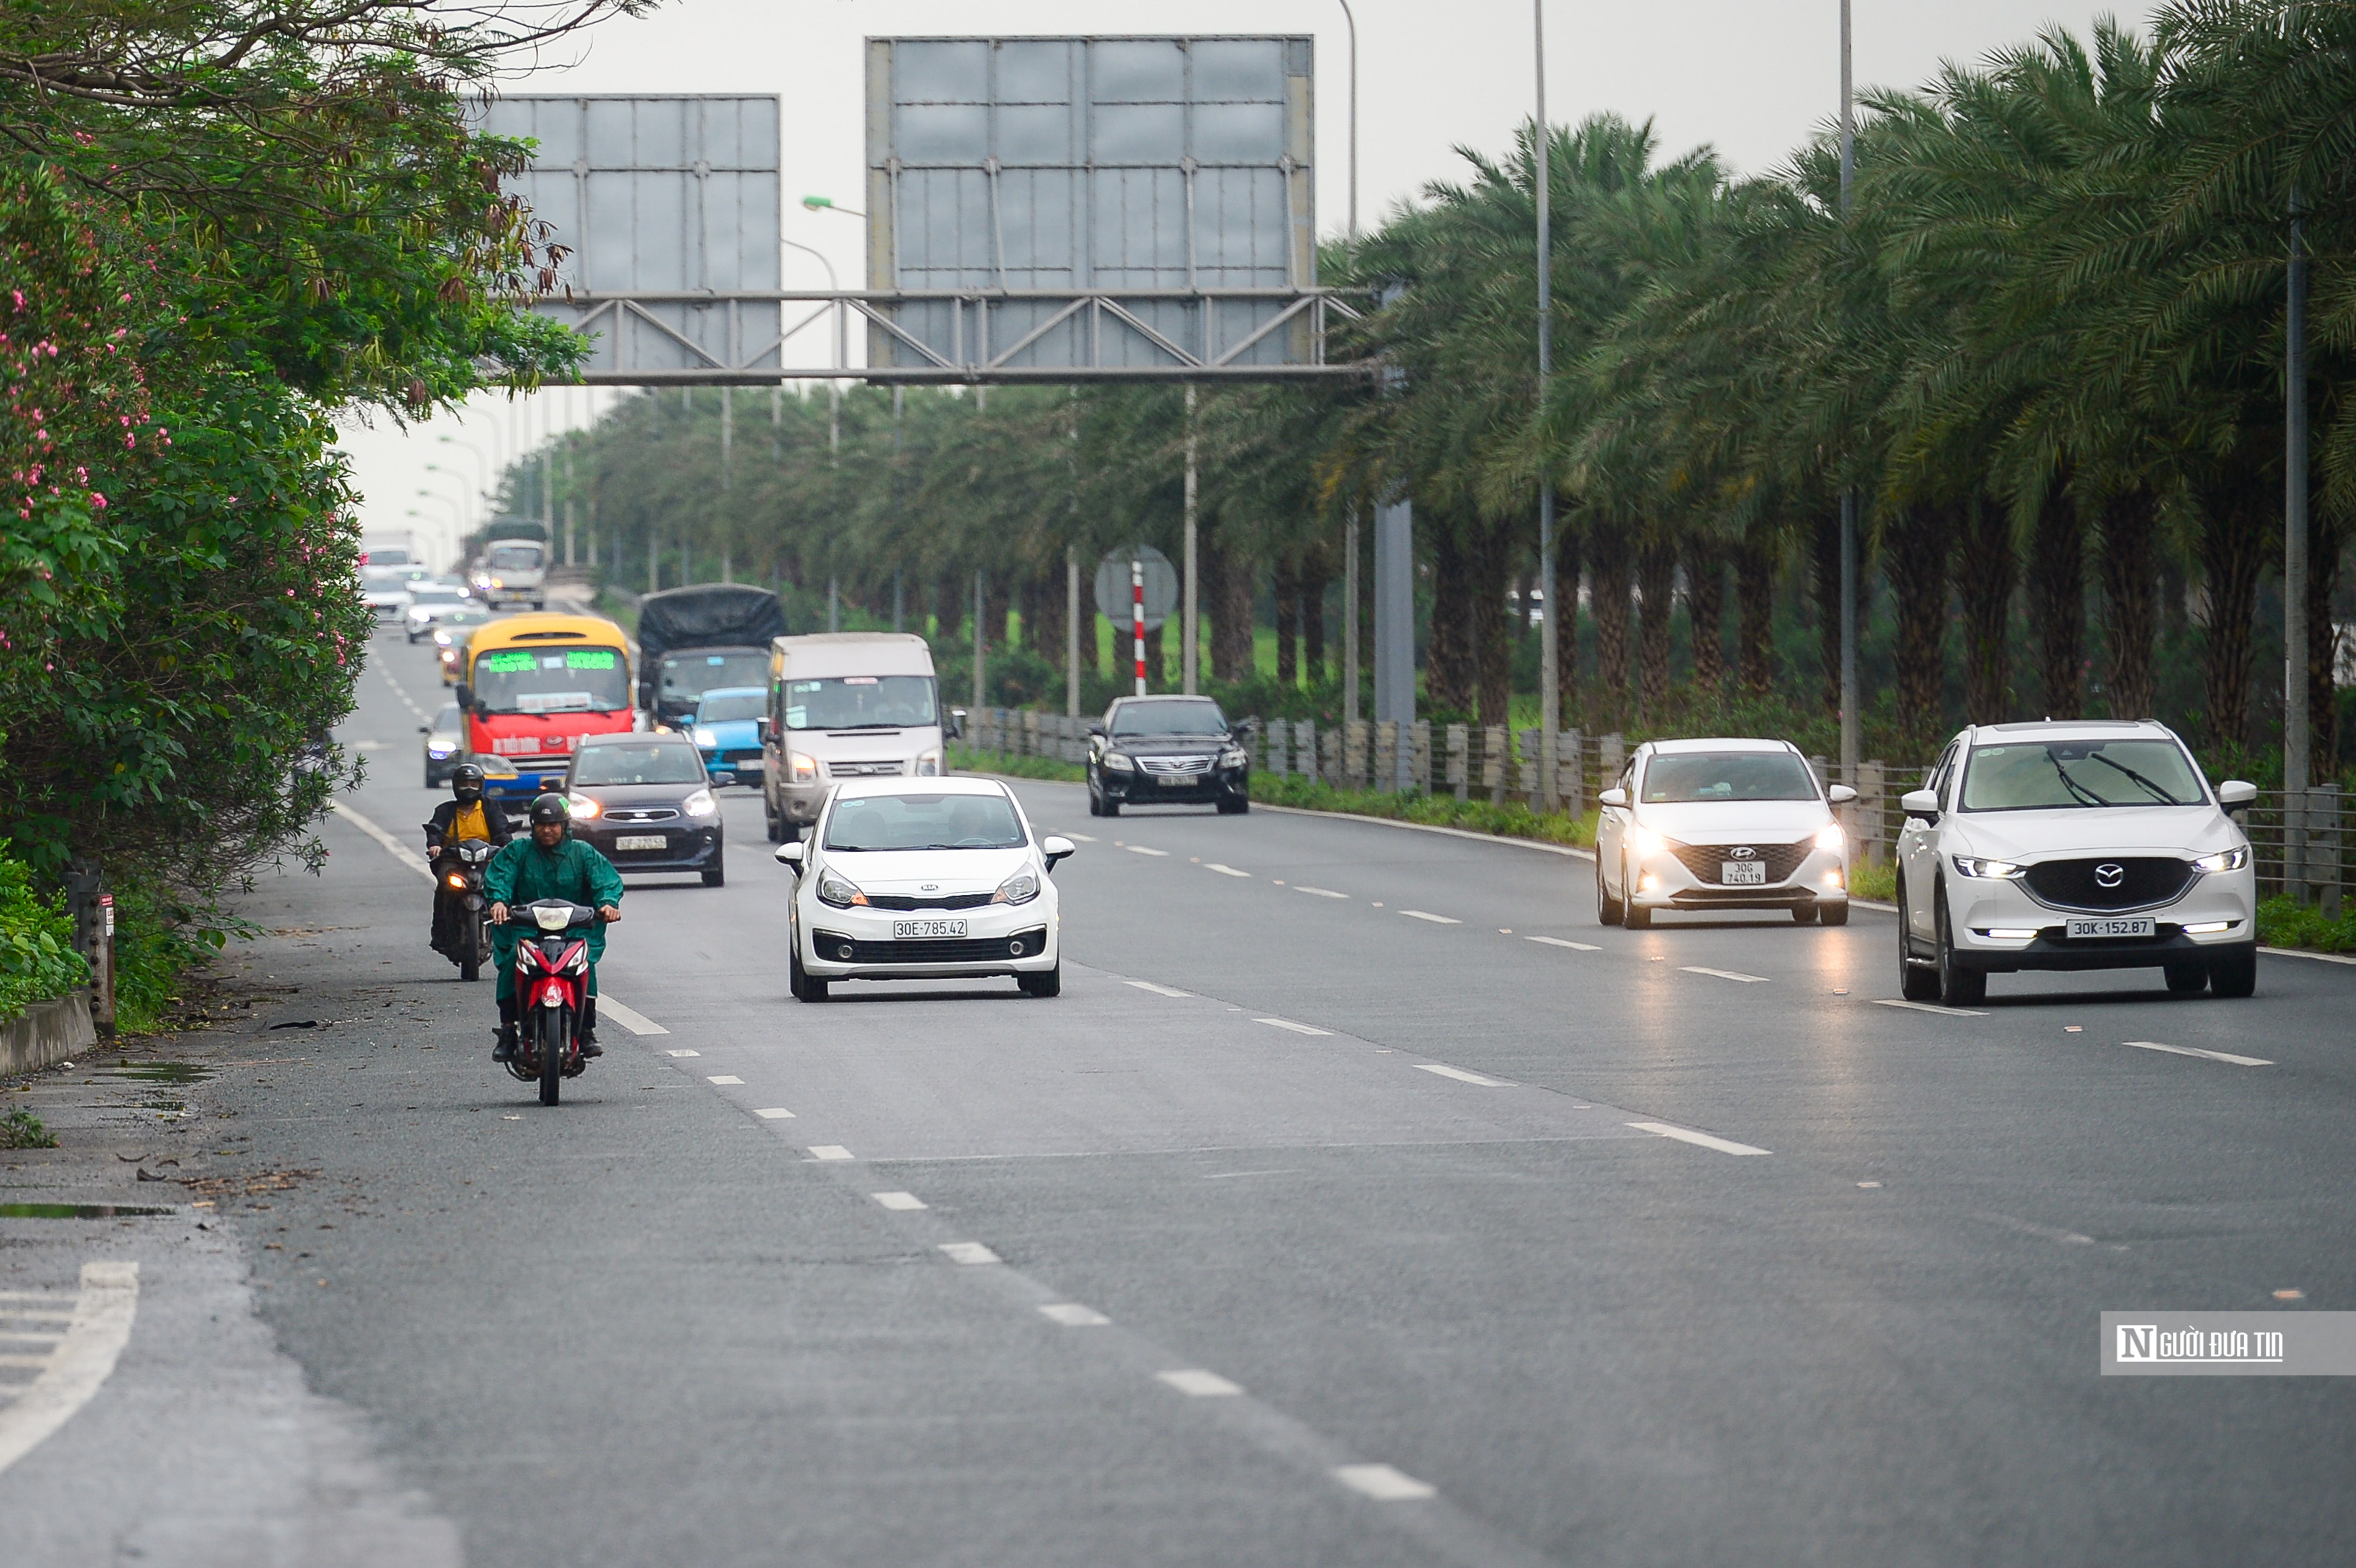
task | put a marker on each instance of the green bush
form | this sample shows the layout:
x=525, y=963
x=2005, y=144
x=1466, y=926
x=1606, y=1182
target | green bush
x=36, y=957
x=23, y=1130
x=2285, y=922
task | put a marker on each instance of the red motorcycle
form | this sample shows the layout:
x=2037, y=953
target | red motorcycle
x=551, y=981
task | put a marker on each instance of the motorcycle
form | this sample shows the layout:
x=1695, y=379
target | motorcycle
x=465, y=939
x=551, y=981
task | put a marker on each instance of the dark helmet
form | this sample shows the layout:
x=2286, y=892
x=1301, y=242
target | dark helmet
x=549, y=808
x=466, y=782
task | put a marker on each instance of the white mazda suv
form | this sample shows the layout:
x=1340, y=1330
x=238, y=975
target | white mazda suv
x=2095, y=844
x=1702, y=825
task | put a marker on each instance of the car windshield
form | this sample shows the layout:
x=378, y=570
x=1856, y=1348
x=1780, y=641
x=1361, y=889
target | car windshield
x=1681, y=776
x=456, y=618
x=924, y=821
x=553, y=681
x=860, y=701
x=638, y=762
x=433, y=594
x=719, y=708
x=514, y=558
x=1185, y=716
x=687, y=676
x=449, y=721
x=2052, y=775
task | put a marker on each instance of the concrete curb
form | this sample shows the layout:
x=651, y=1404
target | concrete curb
x=48, y=1032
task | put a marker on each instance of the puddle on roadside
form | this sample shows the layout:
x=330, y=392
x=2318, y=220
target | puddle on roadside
x=162, y=1072
x=76, y=1210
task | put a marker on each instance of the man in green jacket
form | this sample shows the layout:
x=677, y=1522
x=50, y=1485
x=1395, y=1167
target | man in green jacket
x=551, y=863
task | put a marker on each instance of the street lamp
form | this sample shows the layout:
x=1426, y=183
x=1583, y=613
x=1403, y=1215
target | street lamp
x=834, y=387
x=1549, y=629
x=1848, y=697
x=826, y=204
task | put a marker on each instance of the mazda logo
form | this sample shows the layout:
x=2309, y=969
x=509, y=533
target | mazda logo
x=2109, y=875
x=1743, y=852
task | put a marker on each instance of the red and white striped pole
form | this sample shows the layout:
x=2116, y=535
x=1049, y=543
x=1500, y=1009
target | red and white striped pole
x=1137, y=617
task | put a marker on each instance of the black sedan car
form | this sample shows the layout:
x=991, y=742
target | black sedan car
x=1167, y=751
x=644, y=802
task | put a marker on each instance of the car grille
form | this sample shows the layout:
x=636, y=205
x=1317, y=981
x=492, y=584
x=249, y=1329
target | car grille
x=2135, y=882
x=953, y=950
x=740, y=757
x=864, y=770
x=1175, y=766
x=928, y=900
x=1704, y=859
x=643, y=814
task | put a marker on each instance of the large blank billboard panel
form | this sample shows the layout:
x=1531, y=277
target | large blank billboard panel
x=656, y=195
x=1108, y=164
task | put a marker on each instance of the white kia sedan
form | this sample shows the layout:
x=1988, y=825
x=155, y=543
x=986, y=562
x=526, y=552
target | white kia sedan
x=938, y=879
x=2072, y=846
x=1706, y=825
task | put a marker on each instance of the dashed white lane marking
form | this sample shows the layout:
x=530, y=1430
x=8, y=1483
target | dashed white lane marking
x=829, y=1151
x=1927, y=1007
x=1566, y=943
x=682, y=1053
x=774, y=1113
x=1435, y=919
x=393, y=846
x=1384, y=1484
x=2196, y=1051
x=1288, y=1024
x=94, y=1337
x=1317, y=892
x=968, y=1253
x=1199, y=1383
x=1141, y=849
x=1157, y=990
x=1224, y=870
x=1687, y=1136
x=899, y=1200
x=723, y=1078
x=1460, y=1075
x=1081, y=838
x=2043, y=1232
x=1734, y=974
x=1072, y=1314
x=633, y=1020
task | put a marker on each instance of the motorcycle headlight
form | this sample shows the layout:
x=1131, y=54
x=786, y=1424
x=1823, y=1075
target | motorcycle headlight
x=1832, y=838
x=804, y=768
x=707, y=738
x=1233, y=757
x=1644, y=841
x=582, y=806
x=2000, y=870
x=700, y=804
x=2224, y=860
x=1116, y=763
x=1019, y=888
x=456, y=879
x=834, y=890
x=928, y=765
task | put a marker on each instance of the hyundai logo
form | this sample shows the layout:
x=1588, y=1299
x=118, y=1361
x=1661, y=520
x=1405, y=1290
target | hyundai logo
x=2109, y=875
x=1743, y=852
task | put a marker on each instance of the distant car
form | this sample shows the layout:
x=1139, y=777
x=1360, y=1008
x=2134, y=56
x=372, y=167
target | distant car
x=1705, y=825
x=445, y=744
x=1167, y=751
x=2074, y=846
x=453, y=630
x=429, y=602
x=942, y=878
x=644, y=802
x=385, y=589
x=727, y=730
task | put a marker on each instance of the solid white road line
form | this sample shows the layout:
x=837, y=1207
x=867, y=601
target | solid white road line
x=1562, y=942
x=2197, y=1051
x=682, y=1053
x=774, y=1113
x=1724, y=975
x=899, y=1200
x=1384, y=1484
x=1318, y=892
x=1072, y=1314
x=723, y=1078
x=1224, y=870
x=393, y=846
x=1435, y=919
x=1201, y=1384
x=83, y=1359
x=633, y=1020
x=1288, y=1024
x=1141, y=849
x=1927, y=1007
x=1687, y=1136
x=968, y=1253
x=1157, y=990
x=2302, y=952
x=829, y=1151
x=1460, y=1075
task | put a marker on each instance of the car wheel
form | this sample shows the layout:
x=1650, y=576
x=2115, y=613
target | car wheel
x=1632, y=915
x=1048, y=985
x=1111, y=807
x=431, y=782
x=1916, y=982
x=2187, y=978
x=1804, y=914
x=804, y=985
x=1234, y=808
x=769, y=823
x=1833, y=914
x=2235, y=977
x=1096, y=802
x=1607, y=908
x=716, y=874
x=1959, y=987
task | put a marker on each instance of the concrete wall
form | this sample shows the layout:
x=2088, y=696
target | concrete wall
x=48, y=1032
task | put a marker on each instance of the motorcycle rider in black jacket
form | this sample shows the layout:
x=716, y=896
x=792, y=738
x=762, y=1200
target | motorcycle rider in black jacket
x=467, y=814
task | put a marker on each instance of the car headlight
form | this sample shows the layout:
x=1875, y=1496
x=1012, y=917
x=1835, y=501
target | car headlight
x=438, y=752
x=1832, y=838
x=928, y=765
x=1234, y=756
x=2003, y=870
x=804, y=768
x=582, y=806
x=707, y=738
x=1646, y=842
x=700, y=804
x=834, y=890
x=1116, y=763
x=2224, y=860
x=1019, y=888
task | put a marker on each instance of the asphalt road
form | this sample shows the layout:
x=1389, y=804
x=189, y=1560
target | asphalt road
x=1427, y=1222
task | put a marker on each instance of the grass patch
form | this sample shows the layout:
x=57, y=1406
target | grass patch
x=967, y=759
x=1878, y=883
x=23, y=1130
x=2283, y=922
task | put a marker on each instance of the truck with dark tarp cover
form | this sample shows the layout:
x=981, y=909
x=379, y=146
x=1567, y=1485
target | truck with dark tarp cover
x=701, y=639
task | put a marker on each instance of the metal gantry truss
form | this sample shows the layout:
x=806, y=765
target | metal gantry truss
x=974, y=337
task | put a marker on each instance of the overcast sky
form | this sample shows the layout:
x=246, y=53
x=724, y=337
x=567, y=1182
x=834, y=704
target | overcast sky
x=1753, y=77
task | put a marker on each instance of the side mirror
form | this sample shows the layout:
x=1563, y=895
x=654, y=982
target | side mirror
x=953, y=728
x=1613, y=798
x=424, y=729
x=1095, y=732
x=791, y=855
x=1922, y=803
x=2235, y=794
x=464, y=695
x=720, y=775
x=1840, y=794
x=1055, y=847
x=761, y=728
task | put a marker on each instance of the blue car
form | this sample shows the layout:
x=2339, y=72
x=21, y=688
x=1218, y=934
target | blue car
x=728, y=732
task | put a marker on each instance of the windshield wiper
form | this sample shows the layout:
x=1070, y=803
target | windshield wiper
x=2156, y=792
x=878, y=725
x=2085, y=796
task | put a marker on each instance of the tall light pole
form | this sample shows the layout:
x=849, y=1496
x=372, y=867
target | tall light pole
x=2296, y=737
x=1550, y=629
x=1350, y=523
x=833, y=388
x=1848, y=586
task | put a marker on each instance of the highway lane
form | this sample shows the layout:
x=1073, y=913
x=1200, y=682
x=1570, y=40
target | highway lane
x=1591, y=1342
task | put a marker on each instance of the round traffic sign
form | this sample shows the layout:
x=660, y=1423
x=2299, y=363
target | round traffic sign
x=1114, y=597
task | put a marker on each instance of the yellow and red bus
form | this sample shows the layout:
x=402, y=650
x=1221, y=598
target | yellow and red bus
x=533, y=686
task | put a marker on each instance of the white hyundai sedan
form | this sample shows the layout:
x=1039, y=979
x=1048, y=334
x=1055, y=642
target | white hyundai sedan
x=2095, y=844
x=942, y=879
x=1703, y=825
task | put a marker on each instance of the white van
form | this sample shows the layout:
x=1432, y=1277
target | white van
x=846, y=704
x=513, y=572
